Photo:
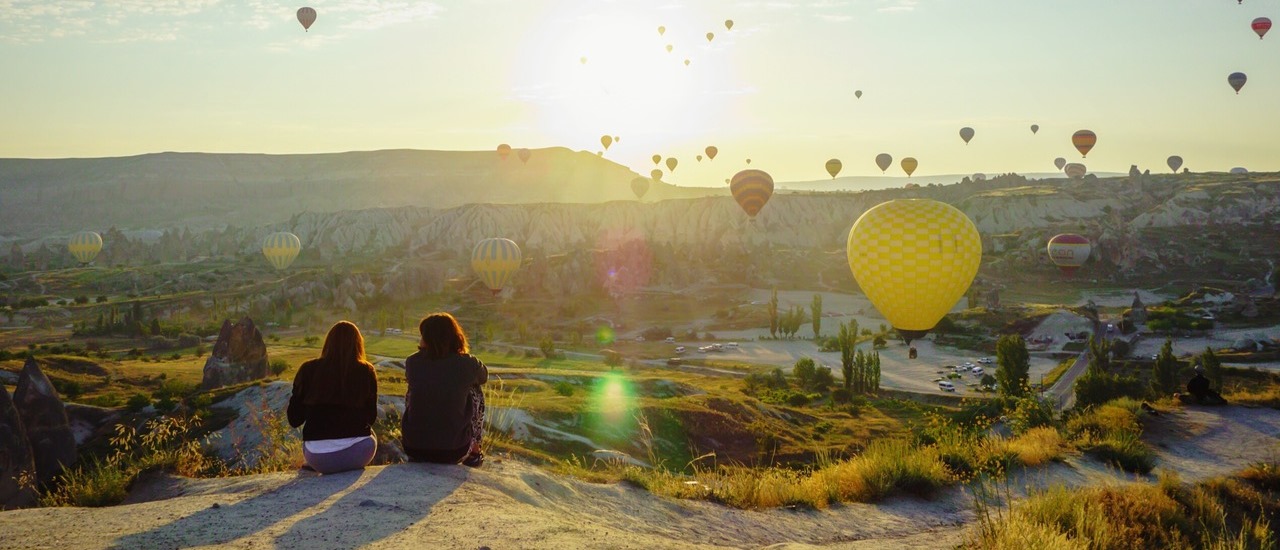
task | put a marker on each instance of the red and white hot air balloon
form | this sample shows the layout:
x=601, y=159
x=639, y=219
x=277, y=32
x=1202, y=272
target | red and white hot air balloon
x=1261, y=25
x=306, y=16
x=1069, y=251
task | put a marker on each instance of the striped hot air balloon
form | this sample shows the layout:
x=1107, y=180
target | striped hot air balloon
x=909, y=165
x=85, y=246
x=504, y=151
x=306, y=16
x=833, y=167
x=640, y=186
x=1069, y=251
x=752, y=189
x=1260, y=26
x=1084, y=140
x=1075, y=170
x=495, y=260
x=281, y=249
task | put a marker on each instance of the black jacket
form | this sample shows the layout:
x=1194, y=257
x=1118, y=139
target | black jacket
x=437, y=413
x=354, y=419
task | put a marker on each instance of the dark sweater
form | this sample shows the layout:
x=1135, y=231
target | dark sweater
x=436, y=415
x=332, y=421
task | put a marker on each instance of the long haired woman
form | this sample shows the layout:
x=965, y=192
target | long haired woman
x=335, y=400
x=444, y=409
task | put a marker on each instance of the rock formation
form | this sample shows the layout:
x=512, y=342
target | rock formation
x=17, y=470
x=1138, y=311
x=45, y=420
x=238, y=356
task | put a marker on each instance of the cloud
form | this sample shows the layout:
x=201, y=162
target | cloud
x=892, y=6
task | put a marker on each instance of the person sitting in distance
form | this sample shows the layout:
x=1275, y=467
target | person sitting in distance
x=335, y=400
x=1200, y=391
x=444, y=407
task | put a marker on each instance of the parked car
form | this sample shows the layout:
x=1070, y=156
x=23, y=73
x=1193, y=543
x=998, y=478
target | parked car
x=733, y=345
x=977, y=371
x=986, y=361
x=679, y=349
x=674, y=361
x=946, y=386
x=671, y=339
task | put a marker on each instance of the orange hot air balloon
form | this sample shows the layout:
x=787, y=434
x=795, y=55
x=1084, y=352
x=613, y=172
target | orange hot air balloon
x=1084, y=140
x=752, y=189
x=606, y=141
x=504, y=151
x=712, y=152
x=524, y=155
x=1069, y=251
x=909, y=165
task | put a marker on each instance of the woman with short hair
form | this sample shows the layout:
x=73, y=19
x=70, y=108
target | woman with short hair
x=335, y=400
x=444, y=407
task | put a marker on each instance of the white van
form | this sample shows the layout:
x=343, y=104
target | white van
x=731, y=345
x=679, y=350
x=946, y=386
x=671, y=339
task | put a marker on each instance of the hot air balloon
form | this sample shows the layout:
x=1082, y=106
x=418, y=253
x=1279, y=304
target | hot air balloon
x=582, y=60
x=606, y=141
x=857, y=94
x=671, y=164
x=670, y=47
x=662, y=31
x=640, y=186
x=495, y=261
x=728, y=24
x=85, y=246
x=1084, y=141
x=833, y=167
x=616, y=139
x=909, y=165
x=281, y=249
x=657, y=159
x=1261, y=25
x=306, y=16
x=884, y=161
x=524, y=155
x=656, y=174
x=1175, y=162
x=966, y=134
x=712, y=152
x=979, y=177
x=699, y=157
x=1239, y=171
x=1069, y=251
x=710, y=36
x=748, y=161
x=752, y=189
x=503, y=151
x=1237, y=80
x=1059, y=162
x=1075, y=170
x=1035, y=128
x=686, y=63
x=914, y=259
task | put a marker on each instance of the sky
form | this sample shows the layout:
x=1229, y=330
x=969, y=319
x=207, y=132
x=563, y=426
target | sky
x=82, y=78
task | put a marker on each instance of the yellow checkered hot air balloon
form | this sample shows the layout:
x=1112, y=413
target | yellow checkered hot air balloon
x=281, y=249
x=495, y=261
x=914, y=259
x=85, y=246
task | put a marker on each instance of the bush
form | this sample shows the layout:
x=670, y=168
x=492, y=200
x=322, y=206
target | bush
x=798, y=399
x=138, y=402
x=564, y=388
x=548, y=348
x=1028, y=413
x=656, y=333
x=188, y=340
x=879, y=341
x=278, y=366
x=841, y=395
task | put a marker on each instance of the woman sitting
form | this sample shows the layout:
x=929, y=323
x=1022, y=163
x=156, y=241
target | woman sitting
x=335, y=400
x=444, y=407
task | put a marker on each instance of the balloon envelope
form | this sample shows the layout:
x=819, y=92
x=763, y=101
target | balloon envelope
x=657, y=159
x=712, y=152
x=1084, y=140
x=979, y=177
x=1069, y=251
x=1075, y=170
x=966, y=134
x=909, y=165
x=833, y=167
x=752, y=189
x=1175, y=162
x=1239, y=170
x=85, y=246
x=656, y=174
x=710, y=36
x=504, y=150
x=640, y=186
x=606, y=141
x=1260, y=26
x=662, y=31
x=728, y=24
x=1035, y=128
x=524, y=155
x=1237, y=80
x=857, y=94
x=914, y=259
x=884, y=161
x=281, y=249
x=671, y=164
x=1059, y=162
x=699, y=157
x=306, y=16
x=495, y=261
x=670, y=47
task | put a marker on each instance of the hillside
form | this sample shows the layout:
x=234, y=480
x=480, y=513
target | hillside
x=205, y=190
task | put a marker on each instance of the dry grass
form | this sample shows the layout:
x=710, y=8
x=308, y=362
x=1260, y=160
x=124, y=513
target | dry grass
x=1112, y=433
x=1038, y=446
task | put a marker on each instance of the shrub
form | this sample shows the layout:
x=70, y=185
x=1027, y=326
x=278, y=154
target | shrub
x=879, y=341
x=798, y=399
x=1028, y=413
x=841, y=395
x=188, y=340
x=564, y=388
x=138, y=402
x=278, y=366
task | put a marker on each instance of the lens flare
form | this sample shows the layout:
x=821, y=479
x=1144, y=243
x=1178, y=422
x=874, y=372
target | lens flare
x=605, y=336
x=614, y=399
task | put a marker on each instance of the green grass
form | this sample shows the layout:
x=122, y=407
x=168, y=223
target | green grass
x=1112, y=433
x=1051, y=377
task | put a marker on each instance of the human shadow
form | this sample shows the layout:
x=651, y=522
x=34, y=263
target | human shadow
x=221, y=524
x=398, y=497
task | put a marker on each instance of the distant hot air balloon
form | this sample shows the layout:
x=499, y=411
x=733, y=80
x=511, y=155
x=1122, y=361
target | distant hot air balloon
x=884, y=161
x=670, y=47
x=1237, y=80
x=909, y=165
x=1084, y=140
x=281, y=249
x=710, y=36
x=1261, y=25
x=599, y=153
x=914, y=259
x=966, y=134
x=712, y=152
x=979, y=177
x=495, y=261
x=833, y=167
x=686, y=63
x=616, y=139
x=1035, y=128
x=1175, y=162
x=728, y=24
x=640, y=186
x=671, y=164
x=1239, y=171
x=606, y=141
x=662, y=31
x=1069, y=251
x=1075, y=170
x=503, y=151
x=699, y=157
x=306, y=16
x=748, y=161
x=1059, y=162
x=582, y=60
x=656, y=174
x=657, y=159
x=524, y=155
x=85, y=246
x=752, y=189
x=857, y=94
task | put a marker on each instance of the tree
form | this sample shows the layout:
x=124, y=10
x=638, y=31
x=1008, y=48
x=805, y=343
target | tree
x=155, y=327
x=1013, y=364
x=138, y=329
x=773, y=314
x=846, y=339
x=815, y=312
x=548, y=347
x=804, y=371
x=1212, y=367
x=1164, y=375
x=879, y=341
x=822, y=380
